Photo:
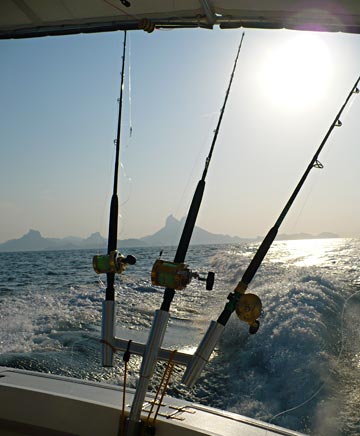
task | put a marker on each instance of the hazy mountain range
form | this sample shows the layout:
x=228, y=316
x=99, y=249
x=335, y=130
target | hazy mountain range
x=168, y=235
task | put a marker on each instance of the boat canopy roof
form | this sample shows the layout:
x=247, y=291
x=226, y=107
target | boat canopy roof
x=33, y=18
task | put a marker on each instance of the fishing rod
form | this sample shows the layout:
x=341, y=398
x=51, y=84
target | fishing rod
x=114, y=262
x=248, y=307
x=174, y=276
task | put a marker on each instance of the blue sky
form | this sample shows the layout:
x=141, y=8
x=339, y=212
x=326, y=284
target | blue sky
x=58, y=116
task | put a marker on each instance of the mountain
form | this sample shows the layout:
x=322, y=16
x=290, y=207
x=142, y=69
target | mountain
x=34, y=241
x=168, y=235
x=31, y=241
x=94, y=240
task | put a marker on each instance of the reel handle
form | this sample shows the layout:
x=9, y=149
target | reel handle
x=129, y=260
x=209, y=279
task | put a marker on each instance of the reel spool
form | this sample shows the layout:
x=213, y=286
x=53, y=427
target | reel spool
x=248, y=309
x=112, y=263
x=177, y=275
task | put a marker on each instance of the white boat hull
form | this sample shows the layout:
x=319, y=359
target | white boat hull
x=43, y=404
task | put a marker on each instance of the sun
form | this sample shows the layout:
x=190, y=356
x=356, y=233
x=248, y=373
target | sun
x=297, y=71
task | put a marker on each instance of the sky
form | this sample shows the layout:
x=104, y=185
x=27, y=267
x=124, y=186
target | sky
x=58, y=118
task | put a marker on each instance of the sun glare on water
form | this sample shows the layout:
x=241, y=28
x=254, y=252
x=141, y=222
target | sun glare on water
x=297, y=71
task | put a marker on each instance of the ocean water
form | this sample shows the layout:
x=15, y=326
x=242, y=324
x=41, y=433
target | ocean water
x=301, y=370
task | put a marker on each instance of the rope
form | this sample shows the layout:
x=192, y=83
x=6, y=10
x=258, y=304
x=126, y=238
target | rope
x=122, y=419
x=103, y=341
x=164, y=381
x=171, y=368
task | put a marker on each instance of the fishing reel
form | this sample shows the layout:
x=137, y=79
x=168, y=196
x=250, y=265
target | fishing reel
x=248, y=309
x=177, y=275
x=112, y=263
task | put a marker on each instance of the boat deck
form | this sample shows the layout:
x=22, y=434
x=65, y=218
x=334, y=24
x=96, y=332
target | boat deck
x=42, y=404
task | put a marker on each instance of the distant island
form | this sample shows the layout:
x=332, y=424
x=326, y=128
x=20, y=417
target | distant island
x=166, y=236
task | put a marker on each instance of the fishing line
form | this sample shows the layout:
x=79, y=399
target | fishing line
x=123, y=172
x=129, y=88
x=342, y=323
x=101, y=283
x=322, y=385
x=190, y=177
x=326, y=153
x=129, y=179
x=305, y=202
x=196, y=160
x=126, y=200
x=347, y=109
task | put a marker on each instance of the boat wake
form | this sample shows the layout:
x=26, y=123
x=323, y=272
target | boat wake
x=297, y=371
x=301, y=370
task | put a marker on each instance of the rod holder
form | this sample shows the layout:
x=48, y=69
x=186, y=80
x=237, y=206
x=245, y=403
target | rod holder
x=133, y=428
x=163, y=354
x=203, y=353
x=153, y=344
x=107, y=332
